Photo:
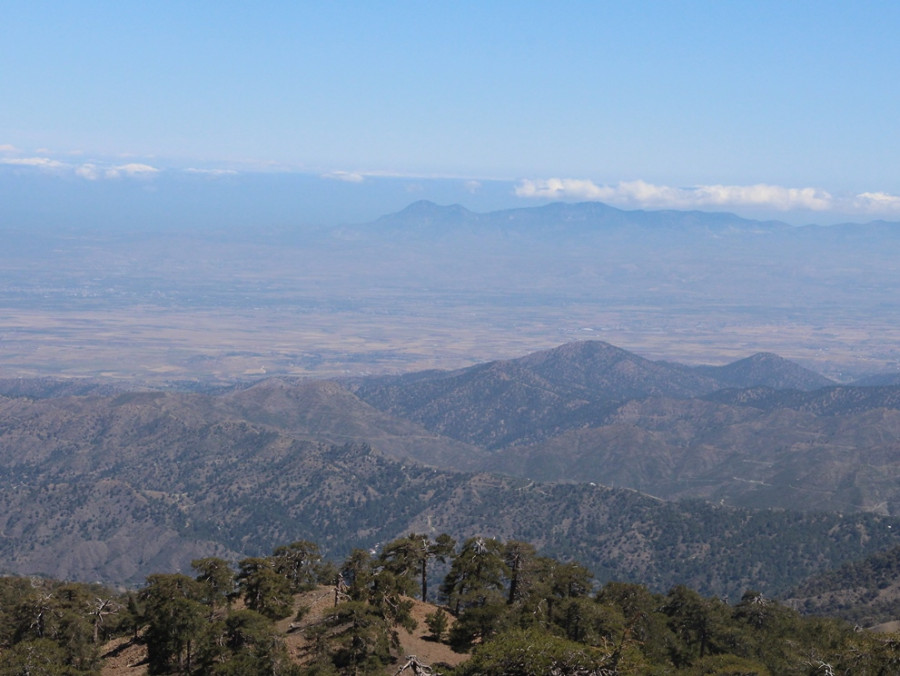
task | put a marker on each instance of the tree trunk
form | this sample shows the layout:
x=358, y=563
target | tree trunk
x=424, y=579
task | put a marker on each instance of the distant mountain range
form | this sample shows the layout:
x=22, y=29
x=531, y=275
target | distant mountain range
x=426, y=218
x=549, y=222
x=111, y=485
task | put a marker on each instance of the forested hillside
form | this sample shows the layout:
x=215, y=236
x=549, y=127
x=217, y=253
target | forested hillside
x=759, y=432
x=501, y=610
x=110, y=489
x=866, y=591
x=109, y=485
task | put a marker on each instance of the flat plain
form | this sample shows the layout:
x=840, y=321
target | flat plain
x=215, y=306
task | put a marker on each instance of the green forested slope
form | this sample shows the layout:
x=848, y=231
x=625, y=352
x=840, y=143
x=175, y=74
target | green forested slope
x=111, y=489
x=504, y=610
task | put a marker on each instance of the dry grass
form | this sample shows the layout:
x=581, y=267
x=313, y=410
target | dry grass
x=123, y=657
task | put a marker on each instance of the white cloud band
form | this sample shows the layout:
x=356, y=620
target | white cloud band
x=642, y=194
x=86, y=170
x=875, y=202
x=133, y=169
x=39, y=162
x=346, y=176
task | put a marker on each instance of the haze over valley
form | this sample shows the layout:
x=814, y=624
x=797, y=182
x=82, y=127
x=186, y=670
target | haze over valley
x=441, y=286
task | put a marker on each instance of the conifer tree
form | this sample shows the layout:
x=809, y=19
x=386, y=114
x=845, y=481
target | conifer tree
x=409, y=557
x=175, y=617
x=264, y=590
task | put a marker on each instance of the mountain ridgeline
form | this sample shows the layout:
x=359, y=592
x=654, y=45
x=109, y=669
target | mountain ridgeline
x=505, y=403
x=428, y=219
x=654, y=472
x=760, y=432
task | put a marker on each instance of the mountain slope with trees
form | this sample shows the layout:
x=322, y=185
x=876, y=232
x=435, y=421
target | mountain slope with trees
x=504, y=610
x=765, y=369
x=110, y=486
x=509, y=402
x=589, y=411
x=794, y=458
x=866, y=591
x=153, y=479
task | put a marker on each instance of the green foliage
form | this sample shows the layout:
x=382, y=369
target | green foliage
x=476, y=575
x=68, y=615
x=357, y=573
x=518, y=558
x=175, y=619
x=437, y=624
x=870, y=655
x=132, y=617
x=36, y=657
x=217, y=577
x=520, y=613
x=364, y=639
x=299, y=563
x=699, y=623
x=586, y=621
x=532, y=652
x=474, y=588
x=14, y=591
x=477, y=624
x=408, y=557
x=263, y=589
x=725, y=665
x=245, y=643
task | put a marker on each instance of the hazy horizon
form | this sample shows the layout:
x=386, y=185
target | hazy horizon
x=215, y=147
x=765, y=110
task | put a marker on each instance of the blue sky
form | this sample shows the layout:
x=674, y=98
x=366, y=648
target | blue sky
x=775, y=108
